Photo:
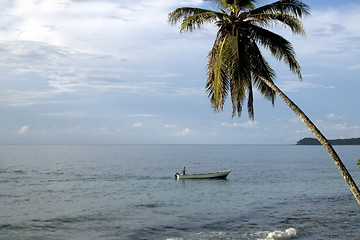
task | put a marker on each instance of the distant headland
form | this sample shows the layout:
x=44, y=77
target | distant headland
x=314, y=141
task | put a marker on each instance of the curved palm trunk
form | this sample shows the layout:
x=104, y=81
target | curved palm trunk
x=344, y=172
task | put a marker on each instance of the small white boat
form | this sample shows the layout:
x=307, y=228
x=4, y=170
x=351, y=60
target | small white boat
x=216, y=175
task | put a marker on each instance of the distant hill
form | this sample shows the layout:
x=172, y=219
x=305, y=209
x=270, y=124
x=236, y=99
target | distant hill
x=314, y=141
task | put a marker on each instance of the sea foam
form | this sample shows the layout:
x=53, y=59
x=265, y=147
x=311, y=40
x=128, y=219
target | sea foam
x=287, y=234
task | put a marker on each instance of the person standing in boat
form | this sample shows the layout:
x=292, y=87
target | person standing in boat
x=183, y=172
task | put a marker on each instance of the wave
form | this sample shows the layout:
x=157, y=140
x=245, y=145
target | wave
x=226, y=235
x=277, y=235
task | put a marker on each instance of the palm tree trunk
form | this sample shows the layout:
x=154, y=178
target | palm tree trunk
x=344, y=172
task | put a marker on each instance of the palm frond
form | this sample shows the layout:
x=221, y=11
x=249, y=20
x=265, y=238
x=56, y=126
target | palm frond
x=238, y=6
x=193, y=18
x=260, y=67
x=269, y=19
x=279, y=47
x=230, y=4
x=250, y=105
x=218, y=82
x=239, y=69
x=293, y=7
x=245, y=4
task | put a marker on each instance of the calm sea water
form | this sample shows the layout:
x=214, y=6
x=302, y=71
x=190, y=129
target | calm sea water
x=129, y=192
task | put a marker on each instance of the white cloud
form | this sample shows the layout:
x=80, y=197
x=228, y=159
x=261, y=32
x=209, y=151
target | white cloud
x=227, y=124
x=340, y=126
x=47, y=71
x=190, y=91
x=332, y=116
x=137, y=125
x=249, y=124
x=170, y=126
x=296, y=85
x=328, y=36
x=40, y=42
x=333, y=129
x=100, y=25
x=185, y=132
x=24, y=98
x=24, y=129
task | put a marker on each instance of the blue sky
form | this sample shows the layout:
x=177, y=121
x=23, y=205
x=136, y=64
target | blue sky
x=115, y=72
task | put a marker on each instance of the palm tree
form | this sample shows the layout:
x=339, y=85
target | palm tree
x=235, y=63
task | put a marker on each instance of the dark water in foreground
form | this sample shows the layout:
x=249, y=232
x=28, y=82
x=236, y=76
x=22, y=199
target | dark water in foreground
x=128, y=192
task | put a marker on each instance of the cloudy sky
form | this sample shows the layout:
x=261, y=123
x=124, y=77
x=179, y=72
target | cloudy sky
x=114, y=72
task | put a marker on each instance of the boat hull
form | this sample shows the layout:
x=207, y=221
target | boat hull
x=216, y=175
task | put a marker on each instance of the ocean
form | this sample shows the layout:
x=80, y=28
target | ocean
x=129, y=192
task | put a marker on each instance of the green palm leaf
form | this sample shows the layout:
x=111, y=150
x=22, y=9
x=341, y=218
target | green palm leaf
x=218, y=81
x=279, y=47
x=193, y=18
x=291, y=7
x=270, y=19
